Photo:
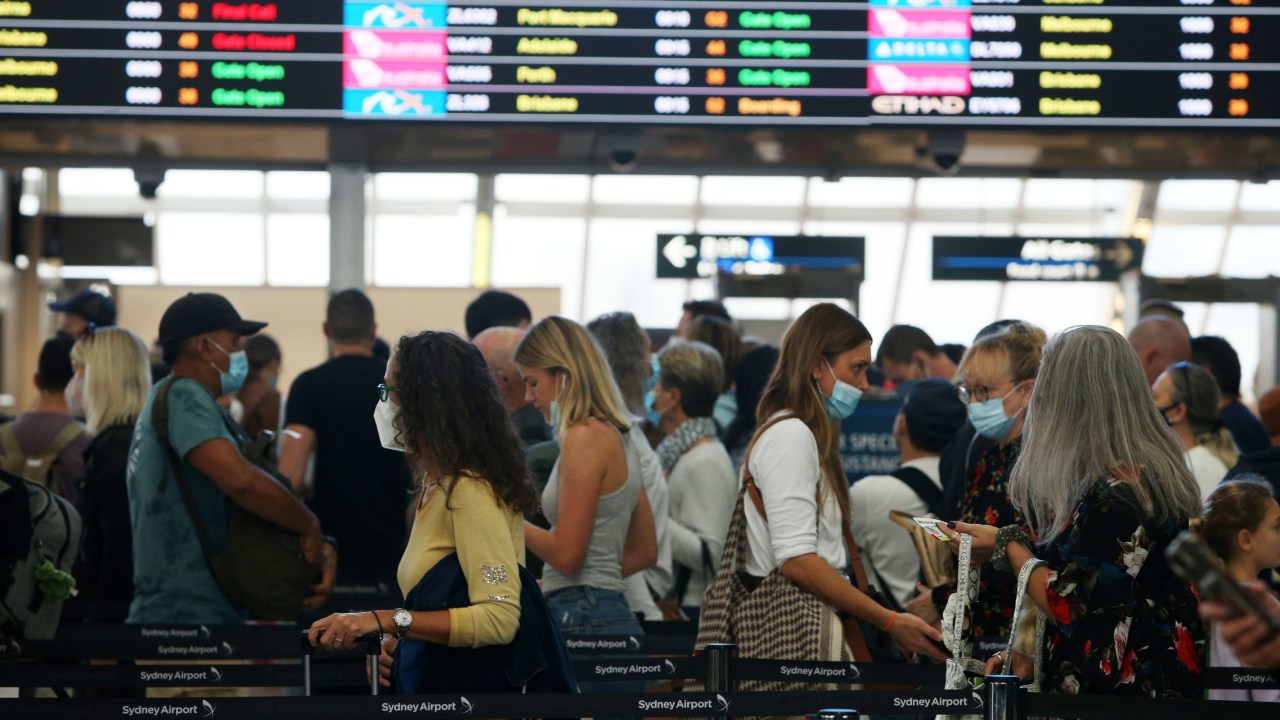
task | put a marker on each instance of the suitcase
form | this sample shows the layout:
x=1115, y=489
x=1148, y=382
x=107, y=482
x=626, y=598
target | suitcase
x=372, y=644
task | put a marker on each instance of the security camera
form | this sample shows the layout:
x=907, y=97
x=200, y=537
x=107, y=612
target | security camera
x=623, y=148
x=622, y=159
x=945, y=146
x=149, y=181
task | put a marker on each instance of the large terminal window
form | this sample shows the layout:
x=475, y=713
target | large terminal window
x=594, y=237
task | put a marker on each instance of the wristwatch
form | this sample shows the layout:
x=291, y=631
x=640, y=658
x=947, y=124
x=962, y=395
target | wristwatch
x=403, y=619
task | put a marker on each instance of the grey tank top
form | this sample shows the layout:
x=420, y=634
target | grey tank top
x=602, y=567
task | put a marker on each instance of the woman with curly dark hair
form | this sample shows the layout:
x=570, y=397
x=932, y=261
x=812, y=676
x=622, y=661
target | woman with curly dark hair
x=466, y=595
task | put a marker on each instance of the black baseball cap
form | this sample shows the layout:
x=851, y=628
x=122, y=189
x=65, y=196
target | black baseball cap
x=200, y=313
x=90, y=305
x=933, y=413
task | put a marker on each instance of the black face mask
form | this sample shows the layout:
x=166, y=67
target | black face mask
x=1164, y=410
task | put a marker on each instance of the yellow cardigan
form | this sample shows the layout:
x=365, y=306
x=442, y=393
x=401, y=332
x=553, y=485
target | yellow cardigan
x=489, y=540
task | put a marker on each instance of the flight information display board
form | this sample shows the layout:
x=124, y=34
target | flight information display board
x=1077, y=63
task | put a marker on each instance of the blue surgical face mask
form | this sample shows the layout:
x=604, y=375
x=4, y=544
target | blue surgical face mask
x=233, y=378
x=843, y=399
x=651, y=412
x=652, y=381
x=989, y=417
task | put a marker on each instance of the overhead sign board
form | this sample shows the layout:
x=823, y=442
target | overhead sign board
x=692, y=256
x=1051, y=259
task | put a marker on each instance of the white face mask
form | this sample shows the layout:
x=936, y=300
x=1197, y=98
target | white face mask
x=74, y=393
x=384, y=416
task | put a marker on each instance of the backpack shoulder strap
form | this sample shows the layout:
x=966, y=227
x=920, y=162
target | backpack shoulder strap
x=70, y=432
x=9, y=443
x=160, y=423
x=922, y=486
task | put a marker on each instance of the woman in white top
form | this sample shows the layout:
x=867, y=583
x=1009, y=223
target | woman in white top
x=794, y=460
x=1187, y=396
x=699, y=472
x=1242, y=524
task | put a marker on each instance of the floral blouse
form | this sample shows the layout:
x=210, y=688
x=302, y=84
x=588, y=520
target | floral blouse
x=987, y=502
x=1125, y=624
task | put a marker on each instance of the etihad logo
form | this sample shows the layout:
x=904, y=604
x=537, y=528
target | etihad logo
x=918, y=105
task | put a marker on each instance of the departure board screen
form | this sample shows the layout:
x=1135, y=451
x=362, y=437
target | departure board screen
x=1076, y=63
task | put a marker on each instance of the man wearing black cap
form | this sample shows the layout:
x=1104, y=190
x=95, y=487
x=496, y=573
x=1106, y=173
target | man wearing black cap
x=88, y=307
x=930, y=417
x=200, y=334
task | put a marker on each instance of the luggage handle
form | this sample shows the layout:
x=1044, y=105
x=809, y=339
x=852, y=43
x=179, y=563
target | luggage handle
x=372, y=650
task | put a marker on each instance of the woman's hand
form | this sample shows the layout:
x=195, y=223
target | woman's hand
x=922, y=606
x=984, y=539
x=1022, y=665
x=389, y=645
x=342, y=631
x=915, y=636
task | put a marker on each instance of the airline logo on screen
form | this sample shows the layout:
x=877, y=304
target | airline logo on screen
x=919, y=53
x=394, y=59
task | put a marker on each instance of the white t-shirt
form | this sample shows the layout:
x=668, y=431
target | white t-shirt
x=887, y=549
x=787, y=468
x=1209, y=470
x=1220, y=656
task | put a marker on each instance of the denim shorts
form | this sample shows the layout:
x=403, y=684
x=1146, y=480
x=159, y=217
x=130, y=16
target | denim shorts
x=585, y=610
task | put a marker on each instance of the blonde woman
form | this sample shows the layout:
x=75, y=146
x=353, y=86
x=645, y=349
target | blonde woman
x=602, y=528
x=999, y=372
x=1187, y=396
x=109, y=388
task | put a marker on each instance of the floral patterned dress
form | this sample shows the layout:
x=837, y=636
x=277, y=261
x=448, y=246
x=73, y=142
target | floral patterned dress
x=987, y=502
x=1123, y=623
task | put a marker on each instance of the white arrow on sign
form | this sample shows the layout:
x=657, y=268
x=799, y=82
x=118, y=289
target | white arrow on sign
x=679, y=252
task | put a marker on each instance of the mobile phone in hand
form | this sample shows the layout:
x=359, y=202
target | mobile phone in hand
x=930, y=526
x=1194, y=562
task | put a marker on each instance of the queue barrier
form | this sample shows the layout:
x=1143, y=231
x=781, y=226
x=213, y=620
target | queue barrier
x=596, y=657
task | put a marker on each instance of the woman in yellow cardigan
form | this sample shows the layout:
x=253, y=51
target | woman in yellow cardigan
x=439, y=404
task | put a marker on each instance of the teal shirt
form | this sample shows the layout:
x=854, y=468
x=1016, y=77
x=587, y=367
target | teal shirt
x=171, y=578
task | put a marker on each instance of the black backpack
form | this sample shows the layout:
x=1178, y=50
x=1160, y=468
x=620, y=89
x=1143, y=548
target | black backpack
x=40, y=536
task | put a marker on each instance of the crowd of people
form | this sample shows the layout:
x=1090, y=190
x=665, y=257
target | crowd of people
x=535, y=479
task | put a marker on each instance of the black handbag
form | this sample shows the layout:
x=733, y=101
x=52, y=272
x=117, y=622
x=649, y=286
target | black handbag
x=261, y=568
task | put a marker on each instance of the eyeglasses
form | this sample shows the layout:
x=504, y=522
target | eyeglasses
x=385, y=390
x=977, y=393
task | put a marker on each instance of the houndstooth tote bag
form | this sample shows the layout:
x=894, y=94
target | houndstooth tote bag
x=777, y=619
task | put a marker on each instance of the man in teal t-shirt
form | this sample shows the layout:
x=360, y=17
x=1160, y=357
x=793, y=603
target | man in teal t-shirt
x=201, y=335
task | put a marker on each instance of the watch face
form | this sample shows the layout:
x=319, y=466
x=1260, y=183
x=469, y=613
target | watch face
x=403, y=619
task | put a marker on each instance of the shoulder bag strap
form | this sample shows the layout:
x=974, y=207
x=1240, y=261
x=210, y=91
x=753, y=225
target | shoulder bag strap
x=160, y=422
x=922, y=486
x=1024, y=577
